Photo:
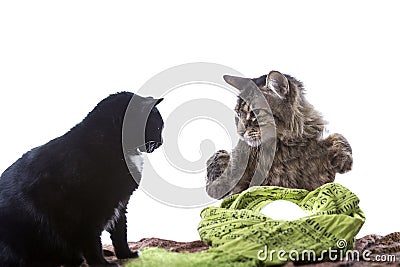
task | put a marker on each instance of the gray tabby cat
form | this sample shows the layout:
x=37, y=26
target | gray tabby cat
x=303, y=159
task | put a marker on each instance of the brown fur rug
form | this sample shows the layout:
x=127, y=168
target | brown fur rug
x=376, y=244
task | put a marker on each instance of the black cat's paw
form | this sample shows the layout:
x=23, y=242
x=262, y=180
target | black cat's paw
x=105, y=264
x=217, y=164
x=127, y=255
x=340, y=153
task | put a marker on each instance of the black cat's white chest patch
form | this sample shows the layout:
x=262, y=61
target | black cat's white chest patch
x=136, y=161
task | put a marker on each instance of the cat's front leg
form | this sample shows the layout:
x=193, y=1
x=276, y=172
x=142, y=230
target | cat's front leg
x=217, y=164
x=339, y=153
x=93, y=252
x=118, y=234
x=218, y=184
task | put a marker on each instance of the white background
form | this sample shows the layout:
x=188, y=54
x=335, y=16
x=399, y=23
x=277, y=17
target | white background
x=58, y=59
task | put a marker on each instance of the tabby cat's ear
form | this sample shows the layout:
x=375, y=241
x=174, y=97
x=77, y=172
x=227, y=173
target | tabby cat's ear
x=260, y=81
x=237, y=82
x=278, y=83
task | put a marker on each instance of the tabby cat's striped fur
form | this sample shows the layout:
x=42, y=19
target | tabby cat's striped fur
x=302, y=159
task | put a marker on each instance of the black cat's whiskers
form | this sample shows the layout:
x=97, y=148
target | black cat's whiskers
x=149, y=146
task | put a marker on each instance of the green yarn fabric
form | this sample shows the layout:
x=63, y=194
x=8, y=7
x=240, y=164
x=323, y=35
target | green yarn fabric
x=239, y=235
x=237, y=227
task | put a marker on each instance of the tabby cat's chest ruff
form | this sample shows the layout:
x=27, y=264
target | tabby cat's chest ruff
x=302, y=166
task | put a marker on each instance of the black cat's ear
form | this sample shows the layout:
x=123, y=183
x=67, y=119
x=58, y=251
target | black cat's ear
x=237, y=82
x=150, y=101
x=278, y=83
x=158, y=101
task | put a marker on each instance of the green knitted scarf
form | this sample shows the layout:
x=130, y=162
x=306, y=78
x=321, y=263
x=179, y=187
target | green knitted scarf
x=239, y=235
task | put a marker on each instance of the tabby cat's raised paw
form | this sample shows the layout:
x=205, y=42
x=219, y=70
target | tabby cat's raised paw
x=217, y=164
x=340, y=153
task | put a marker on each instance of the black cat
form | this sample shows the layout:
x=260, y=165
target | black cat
x=56, y=200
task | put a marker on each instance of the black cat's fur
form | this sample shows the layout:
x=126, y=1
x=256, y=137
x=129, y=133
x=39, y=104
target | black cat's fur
x=56, y=200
